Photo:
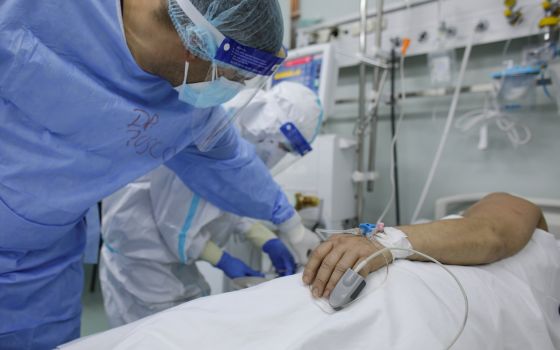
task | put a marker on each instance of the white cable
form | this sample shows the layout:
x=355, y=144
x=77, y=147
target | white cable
x=465, y=298
x=469, y=120
x=325, y=234
x=512, y=129
x=393, y=142
x=447, y=129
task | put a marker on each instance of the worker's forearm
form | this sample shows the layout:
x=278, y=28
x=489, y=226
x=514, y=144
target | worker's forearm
x=460, y=241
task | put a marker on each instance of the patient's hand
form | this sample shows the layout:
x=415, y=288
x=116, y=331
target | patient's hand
x=331, y=259
x=496, y=227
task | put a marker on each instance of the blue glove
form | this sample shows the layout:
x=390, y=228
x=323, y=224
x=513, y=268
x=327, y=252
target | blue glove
x=234, y=268
x=280, y=256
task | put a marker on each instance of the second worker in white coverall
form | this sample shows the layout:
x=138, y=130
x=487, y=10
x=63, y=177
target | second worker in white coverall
x=156, y=228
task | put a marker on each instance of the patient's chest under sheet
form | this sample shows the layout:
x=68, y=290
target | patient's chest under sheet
x=513, y=305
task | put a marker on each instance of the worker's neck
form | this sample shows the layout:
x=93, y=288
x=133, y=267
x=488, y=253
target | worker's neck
x=139, y=26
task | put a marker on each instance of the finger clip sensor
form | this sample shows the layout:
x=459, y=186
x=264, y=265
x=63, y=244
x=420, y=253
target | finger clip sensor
x=346, y=290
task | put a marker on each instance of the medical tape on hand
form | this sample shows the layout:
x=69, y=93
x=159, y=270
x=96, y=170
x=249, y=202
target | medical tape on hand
x=392, y=237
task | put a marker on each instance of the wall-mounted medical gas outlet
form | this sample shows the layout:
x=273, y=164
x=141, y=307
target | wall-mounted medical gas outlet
x=461, y=18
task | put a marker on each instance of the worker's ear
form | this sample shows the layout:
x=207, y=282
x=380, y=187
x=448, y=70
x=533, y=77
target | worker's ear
x=199, y=68
x=191, y=58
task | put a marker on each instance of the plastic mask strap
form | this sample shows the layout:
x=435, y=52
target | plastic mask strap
x=181, y=89
x=214, y=72
x=187, y=64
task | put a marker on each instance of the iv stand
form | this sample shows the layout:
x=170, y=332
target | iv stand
x=362, y=102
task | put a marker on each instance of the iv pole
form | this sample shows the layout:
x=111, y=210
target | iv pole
x=362, y=101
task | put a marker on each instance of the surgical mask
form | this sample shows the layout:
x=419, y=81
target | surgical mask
x=210, y=93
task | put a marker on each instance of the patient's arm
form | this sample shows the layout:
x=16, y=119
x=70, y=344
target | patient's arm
x=496, y=227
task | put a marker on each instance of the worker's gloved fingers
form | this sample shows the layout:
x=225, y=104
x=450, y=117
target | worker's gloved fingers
x=280, y=255
x=252, y=273
x=290, y=264
x=235, y=268
x=315, y=261
x=325, y=271
x=285, y=267
x=347, y=261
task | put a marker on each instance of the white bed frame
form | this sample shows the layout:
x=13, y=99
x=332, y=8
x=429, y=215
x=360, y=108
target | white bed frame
x=551, y=208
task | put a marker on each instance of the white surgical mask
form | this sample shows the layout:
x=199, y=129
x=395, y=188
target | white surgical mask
x=209, y=93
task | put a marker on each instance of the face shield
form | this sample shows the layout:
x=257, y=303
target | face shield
x=232, y=68
x=282, y=123
x=298, y=146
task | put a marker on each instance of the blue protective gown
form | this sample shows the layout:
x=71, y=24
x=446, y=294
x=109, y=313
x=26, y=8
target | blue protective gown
x=78, y=120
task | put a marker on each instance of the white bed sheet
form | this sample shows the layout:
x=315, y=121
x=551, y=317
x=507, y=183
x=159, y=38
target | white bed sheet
x=514, y=304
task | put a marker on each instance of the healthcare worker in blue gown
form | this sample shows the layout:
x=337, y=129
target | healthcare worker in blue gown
x=87, y=105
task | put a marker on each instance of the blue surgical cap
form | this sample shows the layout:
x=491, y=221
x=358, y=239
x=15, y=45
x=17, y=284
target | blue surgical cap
x=254, y=23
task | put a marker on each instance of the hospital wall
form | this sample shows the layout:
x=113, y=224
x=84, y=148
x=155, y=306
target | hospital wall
x=285, y=5
x=532, y=170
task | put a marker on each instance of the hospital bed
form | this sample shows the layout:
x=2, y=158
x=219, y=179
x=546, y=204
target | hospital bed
x=513, y=304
